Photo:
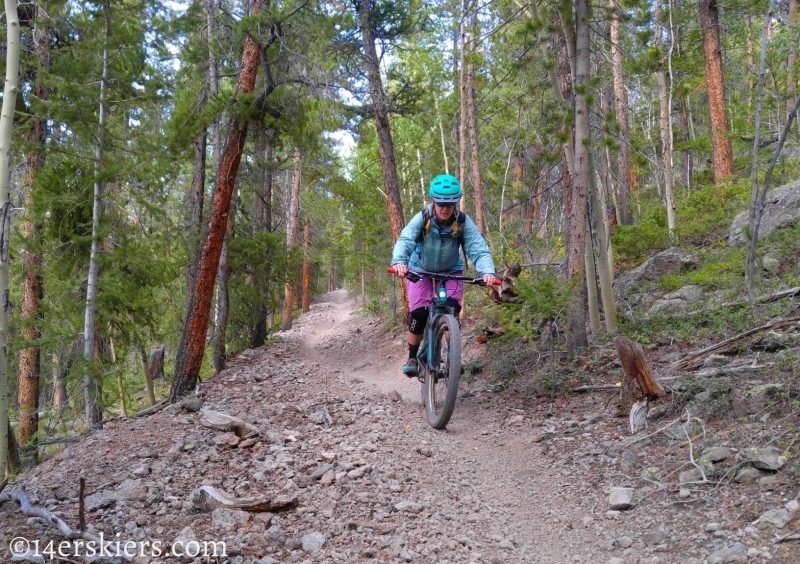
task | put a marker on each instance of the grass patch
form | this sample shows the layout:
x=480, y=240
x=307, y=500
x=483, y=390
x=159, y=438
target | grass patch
x=718, y=270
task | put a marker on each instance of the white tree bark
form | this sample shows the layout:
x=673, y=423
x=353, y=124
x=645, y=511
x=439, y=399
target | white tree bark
x=91, y=388
x=755, y=212
x=665, y=126
x=6, y=123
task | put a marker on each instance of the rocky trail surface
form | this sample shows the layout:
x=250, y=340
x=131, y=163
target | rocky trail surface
x=329, y=423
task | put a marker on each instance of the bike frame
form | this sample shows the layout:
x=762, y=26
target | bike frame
x=437, y=307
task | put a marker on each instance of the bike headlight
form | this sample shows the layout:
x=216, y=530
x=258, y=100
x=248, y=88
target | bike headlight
x=442, y=294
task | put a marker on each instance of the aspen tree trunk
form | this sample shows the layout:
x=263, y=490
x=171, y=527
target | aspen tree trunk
x=29, y=357
x=605, y=257
x=291, y=241
x=686, y=156
x=189, y=355
x=385, y=144
x=473, y=129
x=722, y=155
x=750, y=69
x=306, y=303
x=6, y=126
x=749, y=271
x=621, y=101
x=306, y=265
x=462, y=119
x=91, y=387
x=791, y=73
x=223, y=302
x=591, y=280
x=120, y=386
x=148, y=376
x=665, y=126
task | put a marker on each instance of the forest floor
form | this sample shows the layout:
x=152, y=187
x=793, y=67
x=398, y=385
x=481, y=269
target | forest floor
x=341, y=432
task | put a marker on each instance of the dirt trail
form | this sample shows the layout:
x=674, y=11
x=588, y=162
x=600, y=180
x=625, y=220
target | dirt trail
x=511, y=479
x=487, y=464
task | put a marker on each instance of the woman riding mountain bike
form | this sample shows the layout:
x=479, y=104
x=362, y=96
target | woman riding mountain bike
x=431, y=242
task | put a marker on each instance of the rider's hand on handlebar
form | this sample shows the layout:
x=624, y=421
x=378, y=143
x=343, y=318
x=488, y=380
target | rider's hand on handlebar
x=489, y=279
x=400, y=270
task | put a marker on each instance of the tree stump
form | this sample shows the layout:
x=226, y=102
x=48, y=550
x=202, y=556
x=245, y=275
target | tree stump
x=639, y=382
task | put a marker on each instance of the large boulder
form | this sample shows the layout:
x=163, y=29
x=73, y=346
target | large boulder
x=666, y=262
x=781, y=208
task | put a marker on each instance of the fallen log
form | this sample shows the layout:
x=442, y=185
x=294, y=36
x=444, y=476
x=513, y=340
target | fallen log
x=774, y=297
x=227, y=424
x=24, y=502
x=695, y=359
x=153, y=408
x=732, y=369
x=208, y=498
x=595, y=388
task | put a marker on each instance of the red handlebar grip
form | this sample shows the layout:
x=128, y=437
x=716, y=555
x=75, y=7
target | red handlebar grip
x=497, y=282
x=390, y=270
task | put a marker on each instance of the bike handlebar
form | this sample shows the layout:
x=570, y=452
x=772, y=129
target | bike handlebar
x=443, y=276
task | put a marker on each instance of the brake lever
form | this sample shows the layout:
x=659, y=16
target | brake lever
x=413, y=276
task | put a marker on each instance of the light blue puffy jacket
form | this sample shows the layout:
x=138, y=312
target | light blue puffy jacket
x=439, y=250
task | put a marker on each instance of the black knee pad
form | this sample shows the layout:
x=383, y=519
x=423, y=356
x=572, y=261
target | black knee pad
x=417, y=320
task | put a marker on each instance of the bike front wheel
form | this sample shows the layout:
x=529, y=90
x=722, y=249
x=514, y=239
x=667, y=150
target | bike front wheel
x=444, y=373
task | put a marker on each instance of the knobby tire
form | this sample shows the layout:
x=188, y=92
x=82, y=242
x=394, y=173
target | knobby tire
x=441, y=391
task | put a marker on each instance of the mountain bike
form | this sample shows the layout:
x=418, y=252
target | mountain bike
x=439, y=356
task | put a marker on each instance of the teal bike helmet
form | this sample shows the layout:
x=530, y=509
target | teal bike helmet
x=445, y=189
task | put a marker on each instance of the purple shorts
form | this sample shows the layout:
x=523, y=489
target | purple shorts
x=420, y=294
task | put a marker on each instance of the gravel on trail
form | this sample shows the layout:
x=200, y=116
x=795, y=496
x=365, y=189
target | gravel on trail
x=332, y=425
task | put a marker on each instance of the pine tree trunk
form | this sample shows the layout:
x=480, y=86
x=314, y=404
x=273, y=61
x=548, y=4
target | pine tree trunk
x=385, y=144
x=223, y=273
x=192, y=345
x=91, y=387
x=59, y=384
x=262, y=206
x=29, y=356
x=6, y=125
x=291, y=241
x=196, y=198
x=576, y=220
x=621, y=100
x=722, y=155
x=473, y=130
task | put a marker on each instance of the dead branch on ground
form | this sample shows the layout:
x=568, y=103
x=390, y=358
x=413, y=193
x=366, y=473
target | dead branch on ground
x=695, y=359
x=208, y=498
x=25, y=506
x=774, y=297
